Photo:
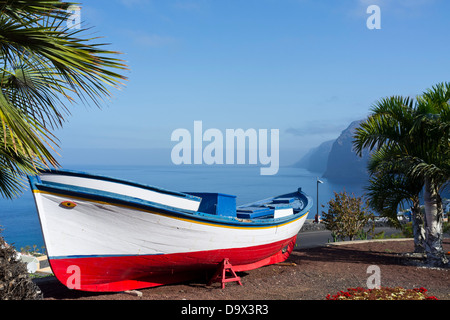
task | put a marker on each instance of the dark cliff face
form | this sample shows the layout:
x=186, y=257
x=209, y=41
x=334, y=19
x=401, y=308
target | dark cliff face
x=343, y=163
x=316, y=159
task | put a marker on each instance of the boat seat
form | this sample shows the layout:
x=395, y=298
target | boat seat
x=216, y=203
x=283, y=200
x=254, y=212
x=278, y=206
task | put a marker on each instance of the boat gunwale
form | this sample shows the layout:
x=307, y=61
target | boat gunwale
x=156, y=208
x=135, y=184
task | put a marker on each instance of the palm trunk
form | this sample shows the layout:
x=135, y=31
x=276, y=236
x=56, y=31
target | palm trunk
x=418, y=225
x=434, y=223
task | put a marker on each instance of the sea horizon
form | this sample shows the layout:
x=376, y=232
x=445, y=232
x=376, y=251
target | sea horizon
x=20, y=222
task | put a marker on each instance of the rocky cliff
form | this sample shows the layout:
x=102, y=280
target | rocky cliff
x=343, y=163
x=317, y=158
x=336, y=159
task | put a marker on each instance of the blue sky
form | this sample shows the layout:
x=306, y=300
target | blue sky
x=305, y=67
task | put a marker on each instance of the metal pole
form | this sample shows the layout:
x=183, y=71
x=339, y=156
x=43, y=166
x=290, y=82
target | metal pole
x=317, y=200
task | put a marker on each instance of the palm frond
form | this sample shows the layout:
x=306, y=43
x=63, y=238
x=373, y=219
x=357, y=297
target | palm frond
x=45, y=66
x=387, y=191
x=83, y=66
x=26, y=135
x=388, y=124
x=14, y=167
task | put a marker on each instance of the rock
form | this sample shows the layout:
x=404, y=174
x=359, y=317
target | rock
x=316, y=159
x=343, y=162
x=134, y=293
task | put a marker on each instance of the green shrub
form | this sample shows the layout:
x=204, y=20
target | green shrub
x=446, y=227
x=347, y=216
x=407, y=230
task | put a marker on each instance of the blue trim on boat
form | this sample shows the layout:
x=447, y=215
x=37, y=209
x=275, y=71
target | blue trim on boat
x=113, y=198
x=98, y=195
x=82, y=174
x=102, y=256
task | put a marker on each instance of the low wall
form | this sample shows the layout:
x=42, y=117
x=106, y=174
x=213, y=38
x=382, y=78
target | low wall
x=310, y=225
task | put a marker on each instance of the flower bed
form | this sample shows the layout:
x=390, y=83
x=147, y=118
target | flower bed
x=382, y=293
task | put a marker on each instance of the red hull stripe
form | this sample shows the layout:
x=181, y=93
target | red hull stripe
x=120, y=273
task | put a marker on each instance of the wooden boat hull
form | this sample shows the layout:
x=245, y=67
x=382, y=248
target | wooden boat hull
x=103, y=240
x=106, y=274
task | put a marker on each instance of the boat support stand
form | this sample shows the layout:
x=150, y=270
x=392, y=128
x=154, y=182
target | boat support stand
x=220, y=275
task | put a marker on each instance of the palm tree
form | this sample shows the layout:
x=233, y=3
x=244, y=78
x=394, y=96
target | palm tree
x=389, y=188
x=45, y=66
x=416, y=135
x=432, y=162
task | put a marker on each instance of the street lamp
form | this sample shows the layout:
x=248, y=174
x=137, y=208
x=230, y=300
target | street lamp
x=317, y=200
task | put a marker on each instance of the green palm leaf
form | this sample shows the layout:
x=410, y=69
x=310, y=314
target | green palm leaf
x=45, y=67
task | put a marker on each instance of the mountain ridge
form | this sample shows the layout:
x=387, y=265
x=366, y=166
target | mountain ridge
x=336, y=159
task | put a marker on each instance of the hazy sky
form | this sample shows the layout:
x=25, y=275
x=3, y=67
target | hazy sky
x=305, y=67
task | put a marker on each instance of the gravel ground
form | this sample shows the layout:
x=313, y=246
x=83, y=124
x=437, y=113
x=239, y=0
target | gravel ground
x=308, y=274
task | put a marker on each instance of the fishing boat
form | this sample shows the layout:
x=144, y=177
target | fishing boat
x=108, y=235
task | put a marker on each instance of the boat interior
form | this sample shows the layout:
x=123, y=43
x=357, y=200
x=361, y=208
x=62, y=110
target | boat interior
x=225, y=205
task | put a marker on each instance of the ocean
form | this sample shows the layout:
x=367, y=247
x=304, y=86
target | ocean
x=20, y=223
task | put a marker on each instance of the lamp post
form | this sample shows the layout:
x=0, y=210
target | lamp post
x=317, y=200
